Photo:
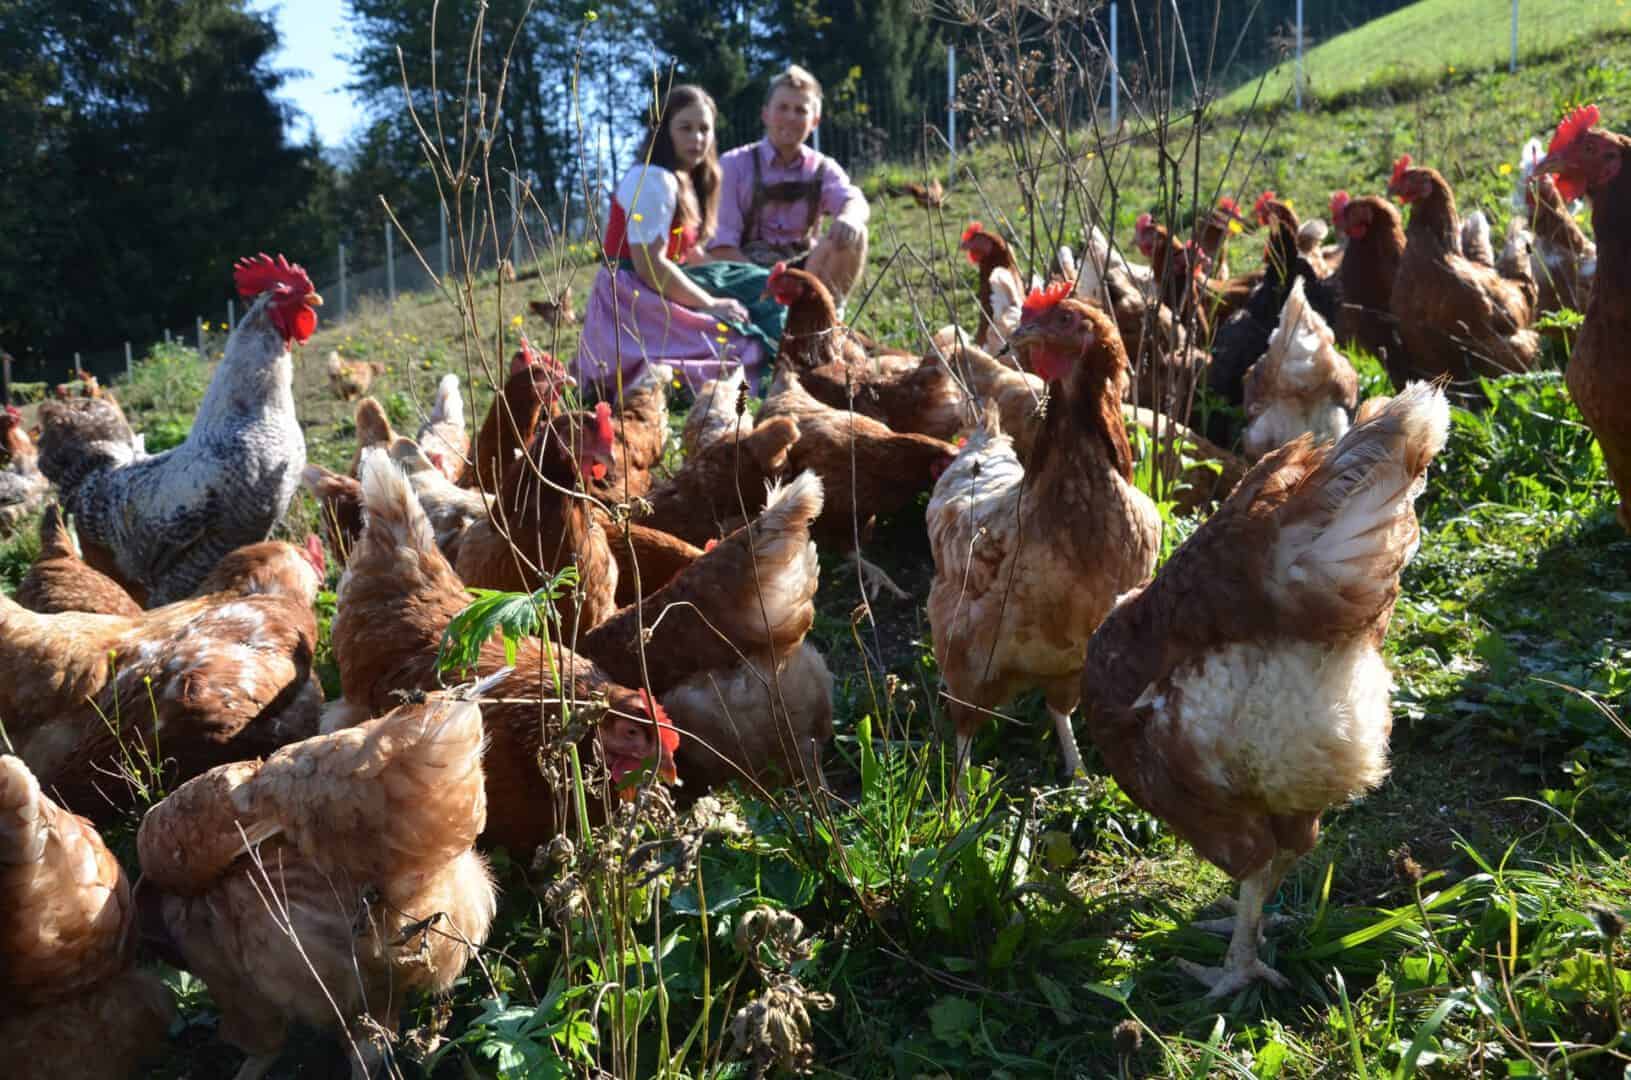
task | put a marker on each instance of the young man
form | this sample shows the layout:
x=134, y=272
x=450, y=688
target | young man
x=773, y=193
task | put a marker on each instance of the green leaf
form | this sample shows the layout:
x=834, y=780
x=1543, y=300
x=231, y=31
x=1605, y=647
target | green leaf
x=952, y=1019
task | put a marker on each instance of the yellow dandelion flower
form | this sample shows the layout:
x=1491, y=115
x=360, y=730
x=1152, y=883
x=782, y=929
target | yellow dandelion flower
x=637, y=216
x=1452, y=69
x=1506, y=168
x=515, y=320
x=720, y=339
x=676, y=384
x=721, y=327
x=1236, y=228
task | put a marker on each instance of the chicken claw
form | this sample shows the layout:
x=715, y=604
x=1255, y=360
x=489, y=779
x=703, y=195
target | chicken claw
x=1225, y=981
x=873, y=578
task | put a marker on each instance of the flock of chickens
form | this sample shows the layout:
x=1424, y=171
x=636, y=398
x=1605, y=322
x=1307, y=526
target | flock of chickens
x=318, y=860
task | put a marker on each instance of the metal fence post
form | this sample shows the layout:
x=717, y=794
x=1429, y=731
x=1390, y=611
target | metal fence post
x=232, y=316
x=515, y=218
x=390, y=267
x=342, y=281
x=77, y=368
x=951, y=102
x=198, y=325
x=5, y=377
x=1115, y=69
x=1512, y=67
x=130, y=361
x=1299, y=55
x=815, y=137
x=442, y=208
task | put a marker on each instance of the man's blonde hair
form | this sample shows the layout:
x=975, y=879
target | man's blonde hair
x=800, y=79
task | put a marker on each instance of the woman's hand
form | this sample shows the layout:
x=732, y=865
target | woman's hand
x=727, y=310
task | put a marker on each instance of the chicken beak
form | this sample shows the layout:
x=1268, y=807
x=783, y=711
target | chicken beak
x=313, y=300
x=1024, y=334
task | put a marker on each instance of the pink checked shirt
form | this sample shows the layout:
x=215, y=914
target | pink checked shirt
x=779, y=223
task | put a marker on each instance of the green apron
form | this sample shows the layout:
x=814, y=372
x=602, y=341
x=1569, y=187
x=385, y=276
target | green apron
x=745, y=282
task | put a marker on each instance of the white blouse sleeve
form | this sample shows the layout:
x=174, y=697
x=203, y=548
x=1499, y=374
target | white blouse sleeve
x=649, y=196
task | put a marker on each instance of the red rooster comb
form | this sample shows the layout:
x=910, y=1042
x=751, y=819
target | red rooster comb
x=974, y=229
x=1042, y=301
x=1573, y=126
x=1260, y=208
x=1339, y=206
x=14, y=414
x=524, y=358
x=262, y=273
x=1145, y=221
x=1400, y=167
x=1228, y=205
x=777, y=271
x=604, y=432
x=667, y=733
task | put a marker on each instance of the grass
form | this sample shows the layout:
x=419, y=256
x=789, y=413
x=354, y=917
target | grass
x=1415, y=47
x=1457, y=922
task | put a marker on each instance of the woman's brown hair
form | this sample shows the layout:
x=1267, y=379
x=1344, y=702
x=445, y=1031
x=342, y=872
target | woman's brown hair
x=703, y=179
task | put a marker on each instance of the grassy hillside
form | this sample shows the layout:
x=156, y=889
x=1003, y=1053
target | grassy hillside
x=1458, y=922
x=1416, y=47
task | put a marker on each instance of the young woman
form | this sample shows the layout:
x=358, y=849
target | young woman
x=660, y=298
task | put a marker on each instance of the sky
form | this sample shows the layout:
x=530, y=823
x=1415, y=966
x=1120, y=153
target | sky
x=314, y=37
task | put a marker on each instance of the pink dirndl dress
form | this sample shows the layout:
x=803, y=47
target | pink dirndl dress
x=628, y=323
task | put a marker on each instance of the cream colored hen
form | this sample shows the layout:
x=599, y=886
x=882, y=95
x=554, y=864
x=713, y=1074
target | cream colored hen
x=328, y=882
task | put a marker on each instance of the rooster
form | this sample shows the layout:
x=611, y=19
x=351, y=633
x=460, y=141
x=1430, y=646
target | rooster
x=1592, y=161
x=1565, y=261
x=1457, y=317
x=1029, y=557
x=1001, y=290
x=1242, y=692
x=75, y=1008
x=322, y=884
x=169, y=518
x=350, y=379
x=1302, y=384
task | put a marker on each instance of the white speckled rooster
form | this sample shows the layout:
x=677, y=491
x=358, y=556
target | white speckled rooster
x=167, y=520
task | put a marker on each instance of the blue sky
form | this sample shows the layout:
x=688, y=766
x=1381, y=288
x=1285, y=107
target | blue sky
x=314, y=38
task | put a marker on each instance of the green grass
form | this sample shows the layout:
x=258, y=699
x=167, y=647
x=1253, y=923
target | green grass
x=1448, y=925
x=1420, y=45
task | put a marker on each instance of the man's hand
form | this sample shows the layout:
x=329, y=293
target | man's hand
x=843, y=234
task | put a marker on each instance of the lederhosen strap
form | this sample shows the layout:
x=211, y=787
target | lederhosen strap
x=786, y=191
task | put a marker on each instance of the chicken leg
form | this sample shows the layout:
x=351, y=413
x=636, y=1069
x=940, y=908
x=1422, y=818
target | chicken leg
x=1241, y=965
x=873, y=578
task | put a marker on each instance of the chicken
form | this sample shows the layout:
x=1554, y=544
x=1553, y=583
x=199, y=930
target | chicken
x=452, y=510
x=814, y=335
x=61, y=581
x=1212, y=233
x=910, y=394
x=720, y=412
x=1244, y=336
x=929, y=196
x=1178, y=270
x=339, y=502
x=720, y=486
x=748, y=723
x=1165, y=366
x=750, y=597
x=555, y=312
x=169, y=518
x=324, y=884
x=1565, y=261
x=541, y=523
x=1017, y=591
x=531, y=391
x=1456, y=317
x=1375, y=245
x=350, y=379
x=1001, y=290
x=75, y=1009
x=1590, y=160
x=1242, y=692
x=1018, y=396
x=395, y=602
x=1302, y=384
x=89, y=698
x=640, y=428
x=443, y=436
x=22, y=486
x=866, y=469
x=647, y=559
x=373, y=429
x=1475, y=243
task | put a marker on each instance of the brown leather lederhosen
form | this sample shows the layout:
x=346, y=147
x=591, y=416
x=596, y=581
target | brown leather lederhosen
x=762, y=251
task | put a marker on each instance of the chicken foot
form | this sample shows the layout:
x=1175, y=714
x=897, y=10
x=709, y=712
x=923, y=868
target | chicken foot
x=1241, y=964
x=1068, y=750
x=873, y=578
x=1225, y=927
